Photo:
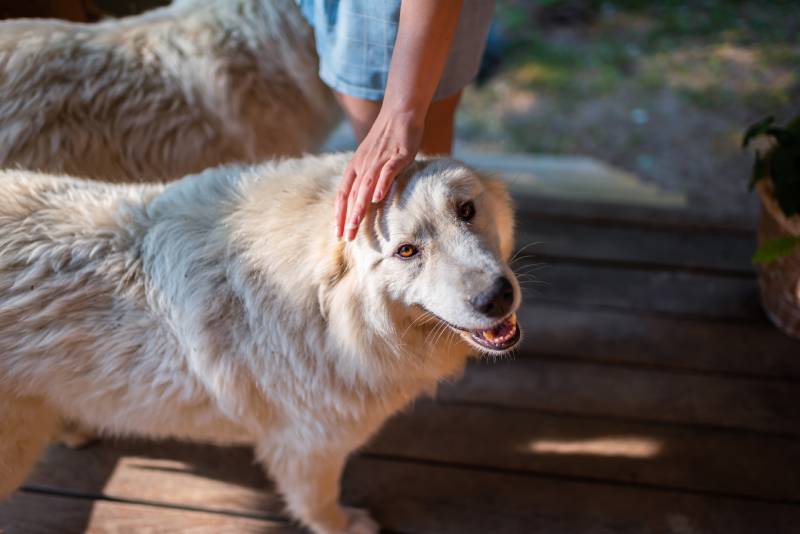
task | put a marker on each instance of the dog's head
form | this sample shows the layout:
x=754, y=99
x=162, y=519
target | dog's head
x=438, y=248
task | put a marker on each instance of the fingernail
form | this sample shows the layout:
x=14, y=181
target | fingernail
x=376, y=197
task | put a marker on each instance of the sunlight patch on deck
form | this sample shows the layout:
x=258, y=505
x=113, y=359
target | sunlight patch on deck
x=626, y=446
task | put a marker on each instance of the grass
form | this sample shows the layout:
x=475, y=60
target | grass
x=659, y=88
x=616, y=41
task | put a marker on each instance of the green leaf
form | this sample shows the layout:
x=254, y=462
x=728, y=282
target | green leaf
x=775, y=249
x=757, y=129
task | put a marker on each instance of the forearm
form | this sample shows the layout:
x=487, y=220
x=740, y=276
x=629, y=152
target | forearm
x=424, y=37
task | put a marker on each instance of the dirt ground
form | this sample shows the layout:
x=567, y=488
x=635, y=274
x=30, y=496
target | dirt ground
x=661, y=89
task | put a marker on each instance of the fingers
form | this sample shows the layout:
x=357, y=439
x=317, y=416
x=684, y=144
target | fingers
x=357, y=204
x=373, y=185
x=390, y=170
x=342, y=200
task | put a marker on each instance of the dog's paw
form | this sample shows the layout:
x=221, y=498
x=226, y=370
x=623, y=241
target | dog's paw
x=75, y=437
x=360, y=522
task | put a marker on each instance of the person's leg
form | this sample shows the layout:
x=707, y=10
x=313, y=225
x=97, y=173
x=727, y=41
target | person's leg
x=439, y=122
x=439, y=126
x=360, y=113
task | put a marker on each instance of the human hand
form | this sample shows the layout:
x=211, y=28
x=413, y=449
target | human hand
x=388, y=148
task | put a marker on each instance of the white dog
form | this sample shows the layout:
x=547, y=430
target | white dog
x=163, y=94
x=222, y=307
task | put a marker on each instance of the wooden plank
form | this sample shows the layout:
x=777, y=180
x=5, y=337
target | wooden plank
x=30, y=513
x=649, y=291
x=610, y=451
x=411, y=496
x=168, y=472
x=443, y=499
x=740, y=220
x=552, y=238
x=757, y=349
x=629, y=393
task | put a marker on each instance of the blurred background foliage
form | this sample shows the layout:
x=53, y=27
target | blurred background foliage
x=663, y=89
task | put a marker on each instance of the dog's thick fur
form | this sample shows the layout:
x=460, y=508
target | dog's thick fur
x=164, y=94
x=221, y=307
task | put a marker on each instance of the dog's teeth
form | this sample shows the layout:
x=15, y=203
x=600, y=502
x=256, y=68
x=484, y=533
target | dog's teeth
x=501, y=334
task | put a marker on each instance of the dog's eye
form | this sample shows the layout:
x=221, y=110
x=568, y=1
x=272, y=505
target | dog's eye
x=406, y=251
x=466, y=211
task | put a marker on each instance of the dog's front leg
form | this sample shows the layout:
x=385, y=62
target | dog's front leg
x=309, y=481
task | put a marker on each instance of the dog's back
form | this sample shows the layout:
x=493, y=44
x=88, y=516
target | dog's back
x=67, y=258
x=84, y=328
x=80, y=327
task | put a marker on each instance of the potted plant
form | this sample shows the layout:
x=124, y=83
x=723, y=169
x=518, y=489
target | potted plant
x=776, y=178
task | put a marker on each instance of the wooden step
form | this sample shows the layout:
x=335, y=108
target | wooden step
x=427, y=495
x=550, y=239
x=650, y=455
x=631, y=394
x=568, y=332
x=644, y=291
x=448, y=499
x=36, y=513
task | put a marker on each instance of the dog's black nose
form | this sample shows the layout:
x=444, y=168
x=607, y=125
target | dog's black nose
x=497, y=300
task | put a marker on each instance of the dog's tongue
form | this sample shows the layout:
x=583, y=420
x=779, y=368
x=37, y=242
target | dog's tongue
x=502, y=332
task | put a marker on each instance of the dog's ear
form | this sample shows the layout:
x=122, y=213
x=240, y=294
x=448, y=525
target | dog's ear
x=503, y=213
x=332, y=273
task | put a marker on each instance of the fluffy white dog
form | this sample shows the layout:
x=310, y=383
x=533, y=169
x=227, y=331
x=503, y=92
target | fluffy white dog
x=164, y=94
x=222, y=307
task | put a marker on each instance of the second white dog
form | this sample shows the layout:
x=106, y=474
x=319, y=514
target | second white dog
x=164, y=94
x=221, y=307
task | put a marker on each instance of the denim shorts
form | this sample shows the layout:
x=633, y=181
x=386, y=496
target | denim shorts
x=355, y=39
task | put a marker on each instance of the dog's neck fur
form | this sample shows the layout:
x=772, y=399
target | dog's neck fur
x=375, y=335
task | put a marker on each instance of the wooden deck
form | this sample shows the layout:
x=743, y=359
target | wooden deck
x=652, y=396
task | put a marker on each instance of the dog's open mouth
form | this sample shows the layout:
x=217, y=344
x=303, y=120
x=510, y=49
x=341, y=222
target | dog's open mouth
x=500, y=337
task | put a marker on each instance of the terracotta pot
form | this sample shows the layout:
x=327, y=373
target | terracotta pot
x=779, y=281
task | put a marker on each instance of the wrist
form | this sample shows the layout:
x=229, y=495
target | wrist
x=407, y=114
